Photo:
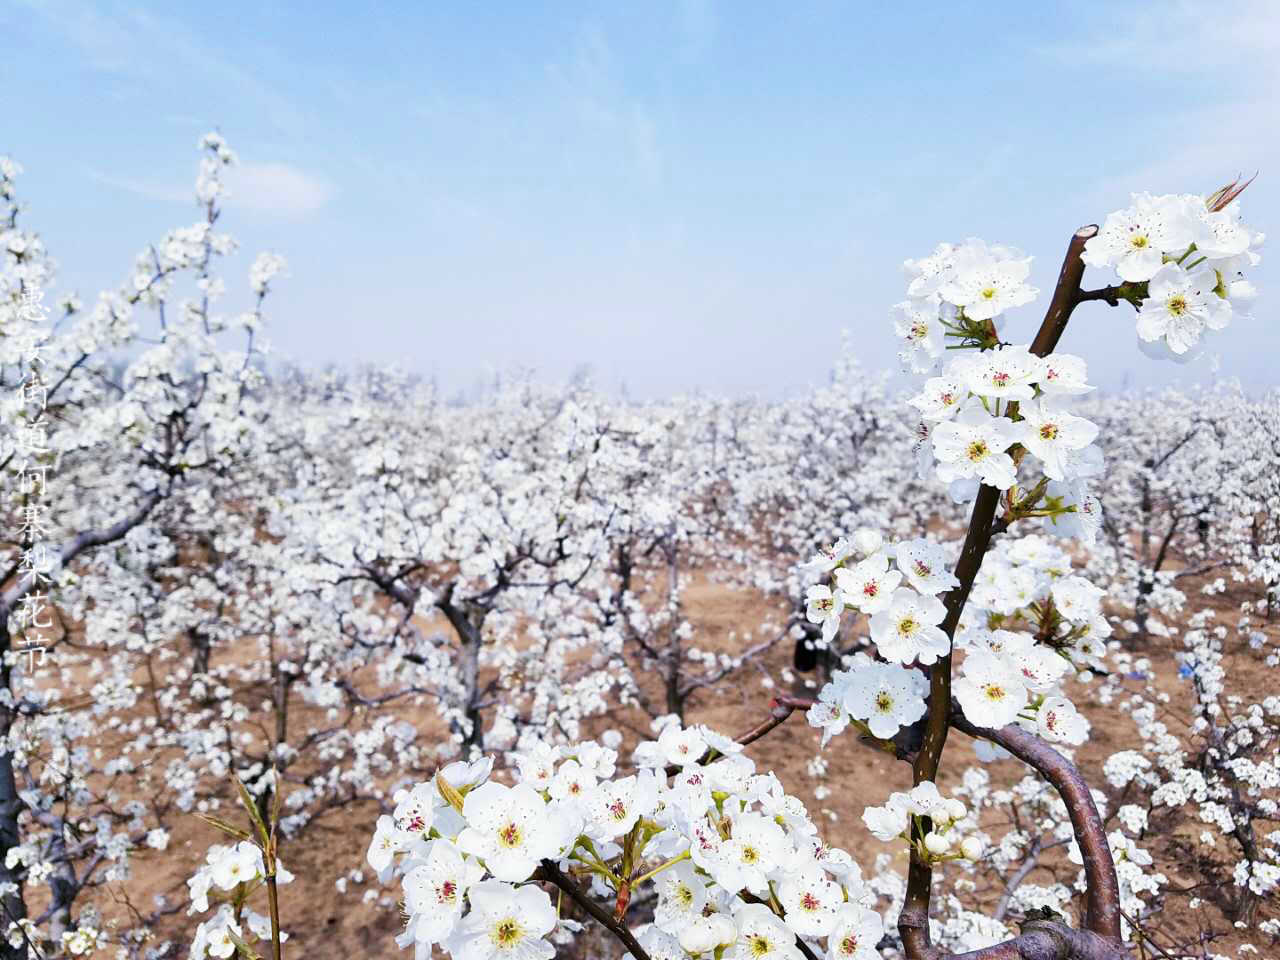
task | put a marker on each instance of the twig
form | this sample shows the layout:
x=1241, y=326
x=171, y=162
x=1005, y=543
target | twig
x=552, y=874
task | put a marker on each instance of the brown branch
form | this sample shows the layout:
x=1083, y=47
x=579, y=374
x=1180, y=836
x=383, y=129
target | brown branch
x=1102, y=894
x=551, y=873
x=1046, y=940
x=913, y=921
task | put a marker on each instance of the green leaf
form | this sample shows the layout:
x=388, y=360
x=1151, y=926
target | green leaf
x=225, y=827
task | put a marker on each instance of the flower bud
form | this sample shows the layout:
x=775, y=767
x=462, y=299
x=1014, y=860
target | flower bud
x=971, y=848
x=936, y=843
x=867, y=541
x=697, y=937
x=956, y=809
x=939, y=811
x=723, y=929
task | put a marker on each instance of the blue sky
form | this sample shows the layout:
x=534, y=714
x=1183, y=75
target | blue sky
x=681, y=195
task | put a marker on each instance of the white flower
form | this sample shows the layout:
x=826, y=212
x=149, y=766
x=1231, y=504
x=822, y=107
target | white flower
x=925, y=565
x=824, y=606
x=1058, y=719
x=1003, y=374
x=505, y=921
x=681, y=746
x=572, y=783
x=918, y=324
x=537, y=764
x=682, y=894
x=927, y=274
x=509, y=828
x=1180, y=306
x=1134, y=240
x=1062, y=374
x=415, y=810
x=986, y=281
x=703, y=934
x=888, y=822
x=866, y=541
x=856, y=932
x=828, y=558
x=755, y=847
x=614, y=806
x=1077, y=599
x=936, y=843
x=990, y=692
x=157, y=839
x=762, y=935
x=886, y=696
x=974, y=445
x=971, y=848
x=812, y=901
x=1084, y=516
x=265, y=267
x=908, y=629
x=940, y=398
x=435, y=891
x=1049, y=432
x=869, y=584
x=238, y=864
x=828, y=713
x=1040, y=667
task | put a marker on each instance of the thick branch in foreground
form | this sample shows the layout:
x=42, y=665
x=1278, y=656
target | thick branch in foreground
x=1102, y=894
x=1045, y=940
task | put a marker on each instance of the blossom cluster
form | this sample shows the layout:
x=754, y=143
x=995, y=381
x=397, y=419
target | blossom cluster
x=903, y=815
x=1181, y=258
x=737, y=863
x=1010, y=675
x=231, y=872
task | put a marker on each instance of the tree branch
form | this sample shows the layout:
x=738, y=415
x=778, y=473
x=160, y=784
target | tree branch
x=552, y=874
x=1102, y=894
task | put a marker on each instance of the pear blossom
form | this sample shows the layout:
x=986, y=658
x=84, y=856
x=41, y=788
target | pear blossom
x=614, y=806
x=990, y=692
x=1181, y=305
x=681, y=746
x=1048, y=431
x=908, y=629
x=508, y=828
x=925, y=565
x=887, y=696
x=918, y=324
x=940, y=398
x=812, y=901
x=755, y=846
x=824, y=606
x=505, y=921
x=435, y=891
x=856, y=933
x=986, y=281
x=1007, y=373
x=1057, y=719
x=974, y=445
x=762, y=935
x=1135, y=240
x=1061, y=374
x=869, y=584
x=682, y=894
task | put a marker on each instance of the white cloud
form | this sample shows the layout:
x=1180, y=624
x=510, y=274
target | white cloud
x=276, y=189
x=269, y=189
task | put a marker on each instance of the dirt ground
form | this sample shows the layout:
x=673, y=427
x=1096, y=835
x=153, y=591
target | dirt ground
x=326, y=923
